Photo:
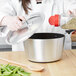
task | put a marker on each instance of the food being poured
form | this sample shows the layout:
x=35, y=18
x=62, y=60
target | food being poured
x=71, y=24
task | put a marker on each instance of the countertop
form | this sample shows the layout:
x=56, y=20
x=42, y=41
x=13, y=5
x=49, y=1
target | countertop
x=65, y=67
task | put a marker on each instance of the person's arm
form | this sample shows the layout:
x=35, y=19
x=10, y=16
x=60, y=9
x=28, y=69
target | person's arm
x=6, y=9
x=70, y=7
x=8, y=15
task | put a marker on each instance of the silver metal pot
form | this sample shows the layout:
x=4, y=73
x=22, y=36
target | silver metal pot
x=45, y=47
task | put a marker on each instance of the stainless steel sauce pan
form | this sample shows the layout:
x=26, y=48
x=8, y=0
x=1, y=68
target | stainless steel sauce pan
x=45, y=47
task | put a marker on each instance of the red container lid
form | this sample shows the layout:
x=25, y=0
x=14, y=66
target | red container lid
x=54, y=20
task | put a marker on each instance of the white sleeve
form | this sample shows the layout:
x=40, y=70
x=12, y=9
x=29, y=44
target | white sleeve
x=72, y=5
x=69, y=5
x=6, y=8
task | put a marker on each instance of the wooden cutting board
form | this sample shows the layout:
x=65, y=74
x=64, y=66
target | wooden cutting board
x=65, y=67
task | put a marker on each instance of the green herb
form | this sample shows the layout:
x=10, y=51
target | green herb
x=9, y=70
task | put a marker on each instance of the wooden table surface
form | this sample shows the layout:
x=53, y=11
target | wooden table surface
x=65, y=67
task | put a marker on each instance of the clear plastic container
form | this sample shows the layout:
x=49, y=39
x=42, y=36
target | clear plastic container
x=30, y=26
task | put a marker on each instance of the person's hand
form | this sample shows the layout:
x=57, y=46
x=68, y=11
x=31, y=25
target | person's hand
x=13, y=22
x=72, y=12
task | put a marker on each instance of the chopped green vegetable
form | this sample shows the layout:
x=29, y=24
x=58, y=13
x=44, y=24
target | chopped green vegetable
x=9, y=70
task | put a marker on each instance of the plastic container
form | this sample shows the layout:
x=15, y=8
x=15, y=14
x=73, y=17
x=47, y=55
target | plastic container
x=30, y=26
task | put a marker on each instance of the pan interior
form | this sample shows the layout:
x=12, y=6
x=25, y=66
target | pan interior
x=46, y=36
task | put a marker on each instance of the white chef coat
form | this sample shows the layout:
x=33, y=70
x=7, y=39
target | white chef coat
x=48, y=7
